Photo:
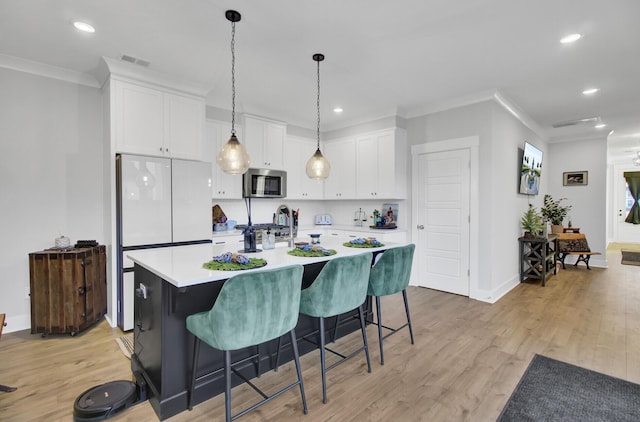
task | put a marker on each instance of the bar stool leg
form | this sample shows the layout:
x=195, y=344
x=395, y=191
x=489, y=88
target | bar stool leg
x=294, y=346
x=322, y=362
x=194, y=370
x=406, y=308
x=379, y=329
x=364, y=337
x=227, y=385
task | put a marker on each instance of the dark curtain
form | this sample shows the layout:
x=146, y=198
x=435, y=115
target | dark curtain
x=633, y=180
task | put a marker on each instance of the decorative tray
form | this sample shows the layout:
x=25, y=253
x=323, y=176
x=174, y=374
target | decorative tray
x=363, y=242
x=233, y=262
x=384, y=227
x=311, y=251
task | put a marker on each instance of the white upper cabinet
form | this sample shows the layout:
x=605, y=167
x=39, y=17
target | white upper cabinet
x=184, y=121
x=296, y=153
x=264, y=140
x=154, y=122
x=224, y=186
x=341, y=183
x=381, y=165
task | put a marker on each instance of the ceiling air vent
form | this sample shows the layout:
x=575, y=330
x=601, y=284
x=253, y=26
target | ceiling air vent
x=576, y=122
x=135, y=60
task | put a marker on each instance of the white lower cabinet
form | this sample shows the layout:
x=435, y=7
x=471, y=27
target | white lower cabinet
x=231, y=240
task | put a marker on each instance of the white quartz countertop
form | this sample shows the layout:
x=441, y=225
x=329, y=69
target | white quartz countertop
x=182, y=265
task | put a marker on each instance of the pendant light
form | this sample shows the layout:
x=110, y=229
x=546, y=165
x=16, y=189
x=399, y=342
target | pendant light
x=233, y=157
x=318, y=167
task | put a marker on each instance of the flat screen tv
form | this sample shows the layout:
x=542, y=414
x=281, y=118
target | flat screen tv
x=531, y=169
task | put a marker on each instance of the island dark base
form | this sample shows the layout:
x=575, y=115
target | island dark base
x=164, y=348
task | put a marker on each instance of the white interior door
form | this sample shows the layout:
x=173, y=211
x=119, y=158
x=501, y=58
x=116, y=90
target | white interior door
x=626, y=232
x=443, y=210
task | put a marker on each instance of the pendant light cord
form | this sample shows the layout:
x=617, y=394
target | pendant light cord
x=318, y=106
x=233, y=78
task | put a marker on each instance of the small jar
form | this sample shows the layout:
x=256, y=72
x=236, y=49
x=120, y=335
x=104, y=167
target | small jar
x=315, y=239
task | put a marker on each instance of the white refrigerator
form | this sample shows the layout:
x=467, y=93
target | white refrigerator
x=161, y=202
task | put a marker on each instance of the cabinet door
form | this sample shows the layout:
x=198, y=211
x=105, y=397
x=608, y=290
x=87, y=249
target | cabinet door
x=137, y=115
x=367, y=166
x=376, y=165
x=341, y=183
x=146, y=200
x=296, y=153
x=274, y=145
x=183, y=126
x=264, y=140
x=254, y=139
x=227, y=186
x=191, y=202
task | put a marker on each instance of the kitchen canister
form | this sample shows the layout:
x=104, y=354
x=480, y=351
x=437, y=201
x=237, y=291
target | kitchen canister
x=63, y=242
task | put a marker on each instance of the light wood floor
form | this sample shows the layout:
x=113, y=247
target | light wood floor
x=467, y=359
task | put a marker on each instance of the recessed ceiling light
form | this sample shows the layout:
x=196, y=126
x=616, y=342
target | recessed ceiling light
x=84, y=27
x=590, y=91
x=570, y=38
x=338, y=110
x=600, y=126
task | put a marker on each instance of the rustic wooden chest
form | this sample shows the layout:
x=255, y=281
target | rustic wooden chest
x=68, y=289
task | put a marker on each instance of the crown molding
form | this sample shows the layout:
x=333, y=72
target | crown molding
x=40, y=69
x=111, y=67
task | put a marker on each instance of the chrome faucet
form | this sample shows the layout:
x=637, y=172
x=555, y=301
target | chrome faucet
x=291, y=231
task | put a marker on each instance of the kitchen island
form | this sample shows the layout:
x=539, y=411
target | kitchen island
x=172, y=284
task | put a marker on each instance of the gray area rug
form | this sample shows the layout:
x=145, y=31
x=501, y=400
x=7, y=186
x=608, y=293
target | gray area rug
x=630, y=257
x=551, y=390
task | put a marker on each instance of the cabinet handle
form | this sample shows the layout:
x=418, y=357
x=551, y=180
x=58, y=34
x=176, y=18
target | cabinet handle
x=420, y=227
x=161, y=149
x=81, y=291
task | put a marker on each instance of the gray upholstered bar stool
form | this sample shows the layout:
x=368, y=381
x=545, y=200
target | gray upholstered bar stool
x=251, y=309
x=390, y=275
x=341, y=286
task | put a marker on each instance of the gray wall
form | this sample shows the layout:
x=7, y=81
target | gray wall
x=588, y=202
x=500, y=208
x=51, y=176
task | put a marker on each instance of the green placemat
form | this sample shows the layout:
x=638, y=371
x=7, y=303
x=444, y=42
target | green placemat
x=310, y=254
x=362, y=245
x=234, y=266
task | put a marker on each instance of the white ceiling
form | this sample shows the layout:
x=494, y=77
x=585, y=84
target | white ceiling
x=402, y=57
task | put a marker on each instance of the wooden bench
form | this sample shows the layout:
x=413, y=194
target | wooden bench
x=574, y=244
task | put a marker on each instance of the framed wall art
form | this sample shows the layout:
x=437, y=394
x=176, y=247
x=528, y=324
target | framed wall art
x=575, y=178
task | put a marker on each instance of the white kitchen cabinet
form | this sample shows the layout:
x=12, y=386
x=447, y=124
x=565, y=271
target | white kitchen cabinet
x=232, y=241
x=184, y=120
x=341, y=183
x=154, y=122
x=381, y=164
x=296, y=153
x=264, y=140
x=224, y=186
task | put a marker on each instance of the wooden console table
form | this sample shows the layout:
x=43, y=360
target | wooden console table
x=538, y=257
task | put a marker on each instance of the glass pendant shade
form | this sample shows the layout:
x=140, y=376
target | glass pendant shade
x=233, y=157
x=318, y=167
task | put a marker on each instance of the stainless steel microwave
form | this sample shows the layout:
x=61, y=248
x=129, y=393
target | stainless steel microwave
x=264, y=183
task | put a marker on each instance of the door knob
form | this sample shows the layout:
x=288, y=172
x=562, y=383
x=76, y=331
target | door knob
x=420, y=227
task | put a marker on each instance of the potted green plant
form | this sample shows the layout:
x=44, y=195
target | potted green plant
x=532, y=222
x=554, y=212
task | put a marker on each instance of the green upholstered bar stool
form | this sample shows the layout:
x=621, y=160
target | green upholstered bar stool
x=251, y=309
x=390, y=275
x=341, y=286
